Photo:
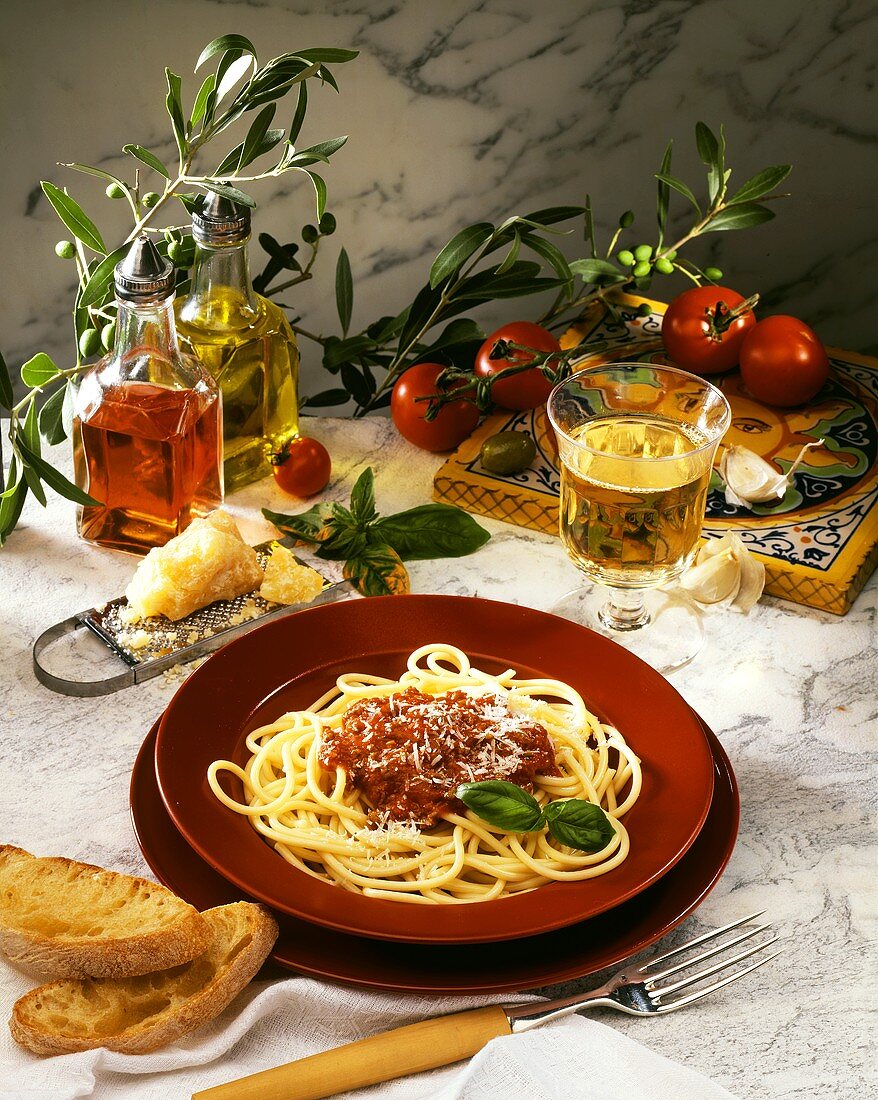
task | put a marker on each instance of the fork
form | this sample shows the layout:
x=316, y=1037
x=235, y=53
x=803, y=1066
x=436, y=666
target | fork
x=446, y=1039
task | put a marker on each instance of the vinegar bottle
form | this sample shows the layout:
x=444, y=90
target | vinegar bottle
x=243, y=340
x=147, y=431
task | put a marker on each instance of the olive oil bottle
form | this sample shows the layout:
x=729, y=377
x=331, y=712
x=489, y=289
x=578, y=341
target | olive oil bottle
x=243, y=340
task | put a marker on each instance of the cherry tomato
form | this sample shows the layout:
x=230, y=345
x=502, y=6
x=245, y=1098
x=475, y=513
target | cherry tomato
x=697, y=334
x=453, y=423
x=302, y=468
x=520, y=391
x=783, y=362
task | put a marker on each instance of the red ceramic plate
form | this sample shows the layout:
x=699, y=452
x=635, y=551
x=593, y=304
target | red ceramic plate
x=288, y=663
x=558, y=956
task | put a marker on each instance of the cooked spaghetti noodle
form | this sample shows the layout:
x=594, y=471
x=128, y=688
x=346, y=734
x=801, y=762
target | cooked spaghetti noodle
x=320, y=822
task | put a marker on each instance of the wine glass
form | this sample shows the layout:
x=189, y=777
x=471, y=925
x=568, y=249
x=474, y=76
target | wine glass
x=636, y=444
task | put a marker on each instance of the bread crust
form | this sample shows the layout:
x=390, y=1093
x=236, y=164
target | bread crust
x=117, y=956
x=244, y=934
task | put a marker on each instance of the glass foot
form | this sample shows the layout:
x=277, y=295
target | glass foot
x=665, y=629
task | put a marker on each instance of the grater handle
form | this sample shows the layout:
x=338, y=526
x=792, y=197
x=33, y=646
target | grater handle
x=85, y=689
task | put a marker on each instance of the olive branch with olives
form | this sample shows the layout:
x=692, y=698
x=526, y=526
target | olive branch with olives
x=483, y=263
x=236, y=86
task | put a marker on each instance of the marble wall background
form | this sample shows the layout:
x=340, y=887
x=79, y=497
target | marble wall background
x=462, y=109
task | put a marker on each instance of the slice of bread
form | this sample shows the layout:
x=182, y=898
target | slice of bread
x=64, y=919
x=137, y=1015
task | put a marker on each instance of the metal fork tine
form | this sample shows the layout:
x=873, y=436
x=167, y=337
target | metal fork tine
x=709, y=971
x=699, y=939
x=716, y=985
x=705, y=955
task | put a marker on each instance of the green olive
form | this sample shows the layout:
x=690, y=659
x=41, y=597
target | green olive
x=625, y=258
x=508, y=452
x=671, y=254
x=309, y=233
x=65, y=249
x=327, y=224
x=627, y=219
x=641, y=269
x=643, y=252
x=108, y=335
x=644, y=309
x=713, y=273
x=664, y=266
x=115, y=191
x=150, y=199
x=89, y=342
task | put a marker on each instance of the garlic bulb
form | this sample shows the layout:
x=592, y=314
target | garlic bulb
x=751, y=480
x=725, y=572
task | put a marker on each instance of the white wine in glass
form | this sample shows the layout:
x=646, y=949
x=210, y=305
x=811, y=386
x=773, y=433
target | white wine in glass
x=636, y=444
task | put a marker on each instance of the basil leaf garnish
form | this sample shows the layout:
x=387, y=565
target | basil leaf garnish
x=431, y=531
x=502, y=804
x=579, y=824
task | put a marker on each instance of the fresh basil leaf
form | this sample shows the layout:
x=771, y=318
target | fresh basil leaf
x=309, y=526
x=431, y=531
x=38, y=370
x=742, y=216
x=502, y=804
x=579, y=824
x=344, y=291
x=458, y=250
x=298, y=114
x=96, y=290
x=680, y=187
x=51, y=417
x=325, y=398
x=74, y=217
x=7, y=396
x=761, y=184
x=225, y=42
x=597, y=271
x=174, y=104
x=363, y=497
x=378, y=571
x=228, y=191
x=55, y=479
x=147, y=158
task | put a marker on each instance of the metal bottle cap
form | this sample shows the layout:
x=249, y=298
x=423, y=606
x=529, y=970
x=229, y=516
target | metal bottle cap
x=218, y=220
x=143, y=276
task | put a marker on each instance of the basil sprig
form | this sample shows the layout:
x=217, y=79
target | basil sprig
x=571, y=821
x=374, y=547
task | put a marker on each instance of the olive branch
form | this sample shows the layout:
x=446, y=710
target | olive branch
x=236, y=86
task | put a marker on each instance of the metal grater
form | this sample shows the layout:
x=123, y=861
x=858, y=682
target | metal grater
x=151, y=646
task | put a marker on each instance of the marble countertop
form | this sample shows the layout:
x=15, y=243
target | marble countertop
x=789, y=691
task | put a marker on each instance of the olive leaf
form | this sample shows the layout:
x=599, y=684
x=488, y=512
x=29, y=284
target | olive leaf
x=74, y=217
x=225, y=42
x=762, y=183
x=51, y=417
x=147, y=158
x=680, y=187
x=740, y=216
x=344, y=291
x=6, y=393
x=174, y=104
x=458, y=250
x=320, y=193
x=663, y=195
x=38, y=370
x=55, y=479
x=299, y=113
x=97, y=289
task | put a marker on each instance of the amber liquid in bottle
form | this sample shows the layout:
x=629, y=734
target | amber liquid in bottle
x=147, y=438
x=245, y=342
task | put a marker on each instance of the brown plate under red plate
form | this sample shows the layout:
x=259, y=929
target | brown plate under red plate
x=558, y=956
x=288, y=663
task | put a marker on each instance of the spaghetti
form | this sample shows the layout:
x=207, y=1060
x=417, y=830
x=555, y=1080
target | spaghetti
x=317, y=817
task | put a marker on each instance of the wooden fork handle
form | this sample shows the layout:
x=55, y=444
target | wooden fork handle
x=411, y=1049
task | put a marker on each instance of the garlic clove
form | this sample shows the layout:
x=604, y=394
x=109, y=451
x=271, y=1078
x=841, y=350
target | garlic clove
x=725, y=572
x=751, y=480
x=713, y=580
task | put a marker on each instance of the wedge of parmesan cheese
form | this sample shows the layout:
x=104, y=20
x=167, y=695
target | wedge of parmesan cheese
x=208, y=561
x=288, y=581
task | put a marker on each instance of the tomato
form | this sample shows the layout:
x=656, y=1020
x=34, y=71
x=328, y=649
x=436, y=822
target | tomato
x=302, y=468
x=531, y=387
x=696, y=331
x=783, y=362
x=453, y=423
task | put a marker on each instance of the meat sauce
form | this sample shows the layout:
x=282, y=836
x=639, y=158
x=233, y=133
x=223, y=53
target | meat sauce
x=408, y=752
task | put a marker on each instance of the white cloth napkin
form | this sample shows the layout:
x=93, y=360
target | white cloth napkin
x=276, y=1022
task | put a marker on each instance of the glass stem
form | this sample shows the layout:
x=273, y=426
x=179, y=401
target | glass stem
x=624, y=610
